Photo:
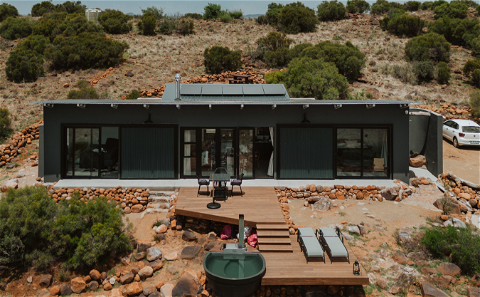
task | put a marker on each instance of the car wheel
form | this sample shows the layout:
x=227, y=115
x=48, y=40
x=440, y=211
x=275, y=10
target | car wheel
x=455, y=142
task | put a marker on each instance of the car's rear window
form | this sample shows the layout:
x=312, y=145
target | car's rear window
x=471, y=129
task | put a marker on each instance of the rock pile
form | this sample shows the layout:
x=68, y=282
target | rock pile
x=130, y=200
x=19, y=140
x=450, y=110
x=363, y=19
x=313, y=193
x=465, y=193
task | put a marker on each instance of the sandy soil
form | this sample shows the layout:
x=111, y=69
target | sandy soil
x=463, y=162
x=143, y=226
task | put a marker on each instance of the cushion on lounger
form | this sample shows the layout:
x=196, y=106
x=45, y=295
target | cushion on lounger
x=328, y=232
x=313, y=247
x=306, y=232
x=337, y=249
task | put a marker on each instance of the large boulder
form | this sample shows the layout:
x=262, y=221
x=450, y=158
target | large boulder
x=190, y=252
x=93, y=285
x=153, y=254
x=156, y=265
x=78, y=285
x=429, y=290
x=134, y=289
x=453, y=205
x=188, y=236
x=45, y=280
x=143, y=245
x=187, y=284
x=418, y=161
x=166, y=290
x=95, y=274
x=389, y=193
x=65, y=289
x=136, y=208
x=145, y=272
x=127, y=278
x=447, y=268
x=400, y=258
x=353, y=229
x=149, y=290
x=473, y=292
x=323, y=204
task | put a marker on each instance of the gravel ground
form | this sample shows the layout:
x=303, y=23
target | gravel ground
x=424, y=197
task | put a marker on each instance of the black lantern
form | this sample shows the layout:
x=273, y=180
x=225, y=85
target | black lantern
x=356, y=268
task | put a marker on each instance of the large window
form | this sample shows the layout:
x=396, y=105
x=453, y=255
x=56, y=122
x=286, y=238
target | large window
x=92, y=152
x=362, y=152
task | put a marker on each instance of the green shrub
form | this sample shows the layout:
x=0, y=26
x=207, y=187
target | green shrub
x=427, y=5
x=37, y=43
x=262, y=20
x=225, y=17
x=55, y=24
x=84, y=91
x=35, y=231
x=277, y=58
x=475, y=45
x=14, y=28
x=472, y=69
x=40, y=9
x=454, y=9
x=412, y=5
x=383, y=6
x=475, y=103
x=431, y=46
x=212, y=11
x=115, y=22
x=406, y=25
x=424, y=70
x=457, y=31
x=469, y=3
x=185, y=27
x=275, y=77
x=155, y=11
x=24, y=65
x=461, y=246
x=273, y=12
x=275, y=40
x=7, y=10
x=149, y=24
x=306, y=77
x=5, y=122
x=360, y=6
x=236, y=14
x=71, y=7
x=87, y=50
x=295, y=18
x=134, y=94
x=331, y=11
x=348, y=59
x=218, y=59
x=167, y=26
x=443, y=73
x=195, y=16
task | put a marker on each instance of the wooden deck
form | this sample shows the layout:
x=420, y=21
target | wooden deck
x=286, y=264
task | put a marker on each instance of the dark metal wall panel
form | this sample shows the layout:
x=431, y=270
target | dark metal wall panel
x=306, y=153
x=41, y=152
x=148, y=152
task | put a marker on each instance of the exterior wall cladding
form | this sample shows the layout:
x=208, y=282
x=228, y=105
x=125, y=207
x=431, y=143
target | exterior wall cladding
x=226, y=116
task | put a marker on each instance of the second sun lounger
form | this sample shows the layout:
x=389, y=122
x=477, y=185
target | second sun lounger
x=309, y=244
x=332, y=241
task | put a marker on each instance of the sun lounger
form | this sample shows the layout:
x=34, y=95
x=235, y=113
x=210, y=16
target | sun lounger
x=332, y=241
x=309, y=244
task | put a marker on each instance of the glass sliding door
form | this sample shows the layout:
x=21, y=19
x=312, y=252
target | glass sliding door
x=245, y=152
x=375, y=153
x=109, y=153
x=208, y=150
x=87, y=152
x=189, y=152
x=227, y=151
x=349, y=152
x=70, y=152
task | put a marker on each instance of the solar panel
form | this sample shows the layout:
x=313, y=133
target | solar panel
x=191, y=90
x=253, y=90
x=211, y=90
x=274, y=90
x=232, y=90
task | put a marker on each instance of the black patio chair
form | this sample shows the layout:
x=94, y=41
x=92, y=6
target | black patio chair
x=237, y=182
x=203, y=182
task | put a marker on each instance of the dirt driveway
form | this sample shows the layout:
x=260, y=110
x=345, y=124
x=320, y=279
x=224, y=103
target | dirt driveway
x=463, y=162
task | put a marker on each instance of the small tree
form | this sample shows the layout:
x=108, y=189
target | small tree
x=7, y=10
x=115, y=22
x=331, y=11
x=218, y=59
x=360, y=6
x=212, y=11
x=275, y=40
x=412, y=5
x=431, y=46
x=40, y=9
x=443, y=73
x=167, y=26
x=149, y=24
x=5, y=122
x=475, y=103
x=296, y=17
x=15, y=28
x=24, y=65
x=273, y=12
x=423, y=70
x=185, y=27
x=155, y=11
x=406, y=25
x=454, y=10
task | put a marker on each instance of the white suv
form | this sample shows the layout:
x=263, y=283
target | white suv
x=462, y=132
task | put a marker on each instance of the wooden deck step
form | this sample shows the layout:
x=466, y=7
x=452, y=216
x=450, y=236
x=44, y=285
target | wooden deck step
x=275, y=248
x=272, y=227
x=274, y=240
x=273, y=233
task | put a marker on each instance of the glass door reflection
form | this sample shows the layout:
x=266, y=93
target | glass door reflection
x=208, y=152
x=227, y=152
x=245, y=152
